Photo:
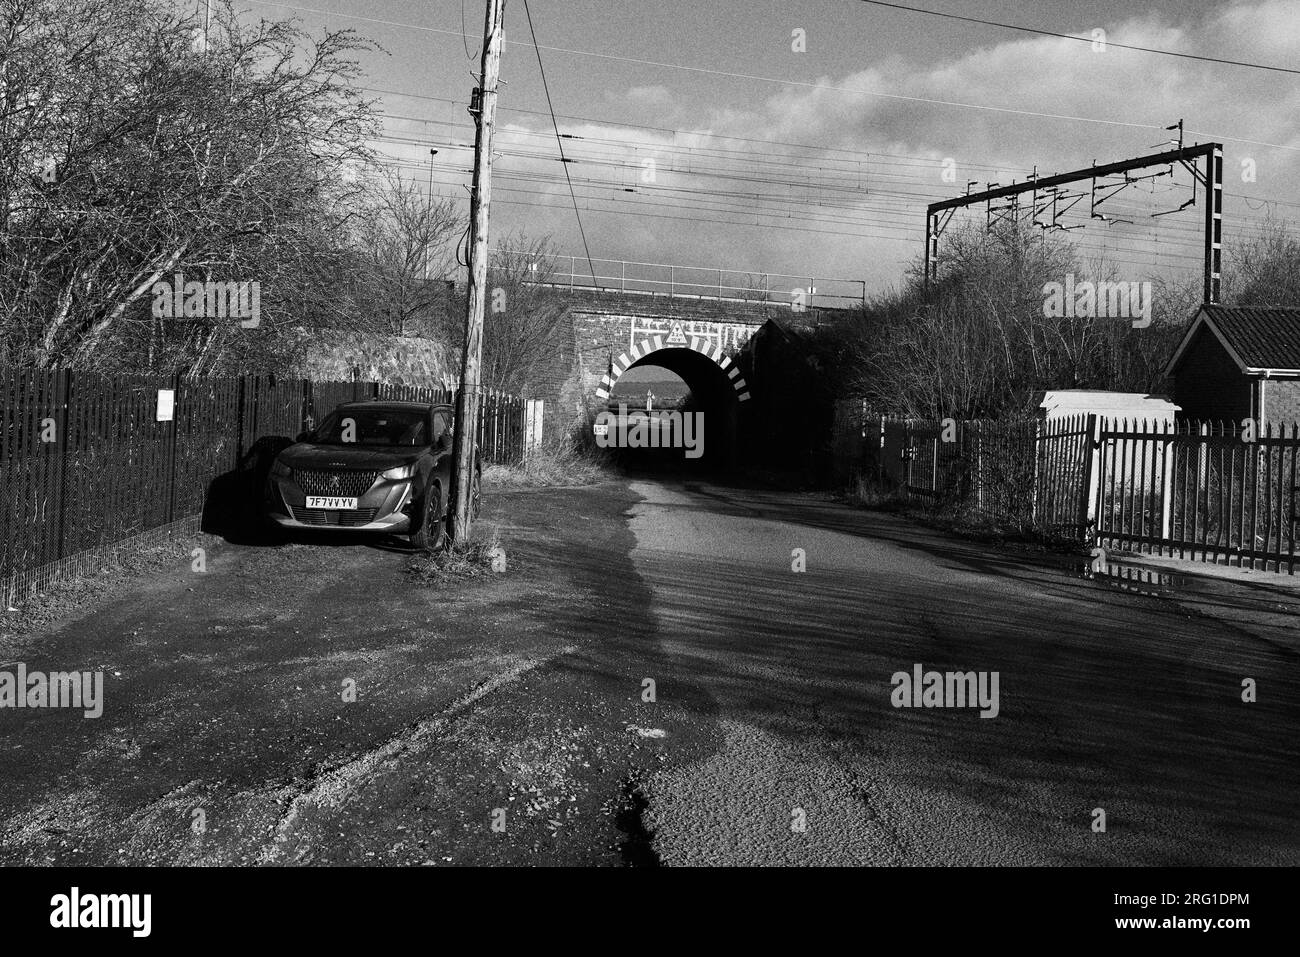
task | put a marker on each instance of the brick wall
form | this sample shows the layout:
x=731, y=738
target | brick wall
x=1282, y=402
x=393, y=360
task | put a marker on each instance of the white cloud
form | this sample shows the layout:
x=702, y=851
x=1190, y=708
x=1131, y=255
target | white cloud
x=1043, y=75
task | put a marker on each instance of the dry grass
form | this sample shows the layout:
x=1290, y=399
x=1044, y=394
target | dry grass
x=870, y=495
x=117, y=566
x=563, y=464
x=458, y=560
x=944, y=517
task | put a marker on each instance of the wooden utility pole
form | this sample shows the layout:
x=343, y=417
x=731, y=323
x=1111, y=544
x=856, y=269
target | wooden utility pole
x=483, y=107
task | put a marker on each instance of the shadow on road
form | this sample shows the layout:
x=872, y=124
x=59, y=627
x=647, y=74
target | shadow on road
x=1109, y=698
x=232, y=506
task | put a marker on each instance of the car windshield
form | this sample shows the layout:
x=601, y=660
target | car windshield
x=374, y=427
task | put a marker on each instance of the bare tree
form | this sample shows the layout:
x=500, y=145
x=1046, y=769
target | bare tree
x=130, y=152
x=980, y=344
x=1265, y=270
x=408, y=240
x=525, y=332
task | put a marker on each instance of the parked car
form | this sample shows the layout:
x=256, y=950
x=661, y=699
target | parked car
x=371, y=467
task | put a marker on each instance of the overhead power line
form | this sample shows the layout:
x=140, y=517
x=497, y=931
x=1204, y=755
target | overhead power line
x=803, y=83
x=854, y=156
x=1134, y=258
x=708, y=134
x=882, y=203
x=1068, y=36
x=885, y=180
x=559, y=141
x=464, y=37
x=1136, y=249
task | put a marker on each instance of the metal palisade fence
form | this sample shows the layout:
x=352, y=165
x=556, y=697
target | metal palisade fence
x=1205, y=491
x=1201, y=491
x=89, y=462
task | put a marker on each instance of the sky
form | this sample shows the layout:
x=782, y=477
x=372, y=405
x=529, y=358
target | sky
x=804, y=138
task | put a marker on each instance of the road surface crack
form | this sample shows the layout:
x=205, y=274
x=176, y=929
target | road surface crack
x=329, y=786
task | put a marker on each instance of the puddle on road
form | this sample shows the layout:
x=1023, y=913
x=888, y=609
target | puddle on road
x=1222, y=597
x=1143, y=581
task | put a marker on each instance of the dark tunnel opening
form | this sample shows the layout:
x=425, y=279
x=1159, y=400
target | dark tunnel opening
x=710, y=401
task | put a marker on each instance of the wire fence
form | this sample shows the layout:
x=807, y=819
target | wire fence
x=1210, y=492
x=88, y=462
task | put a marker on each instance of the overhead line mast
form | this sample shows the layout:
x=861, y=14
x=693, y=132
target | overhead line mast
x=938, y=215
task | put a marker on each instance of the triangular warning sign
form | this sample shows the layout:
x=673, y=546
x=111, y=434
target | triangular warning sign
x=677, y=336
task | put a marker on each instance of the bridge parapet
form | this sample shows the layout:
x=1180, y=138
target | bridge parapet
x=600, y=302
x=713, y=284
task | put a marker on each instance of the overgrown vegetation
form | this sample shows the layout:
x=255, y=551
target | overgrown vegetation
x=565, y=462
x=457, y=561
x=979, y=346
x=1264, y=271
x=947, y=517
x=132, y=151
x=135, y=148
x=522, y=336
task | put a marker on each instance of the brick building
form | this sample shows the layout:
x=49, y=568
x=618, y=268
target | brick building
x=1235, y=363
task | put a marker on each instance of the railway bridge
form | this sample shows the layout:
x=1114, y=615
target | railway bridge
x=693, y=324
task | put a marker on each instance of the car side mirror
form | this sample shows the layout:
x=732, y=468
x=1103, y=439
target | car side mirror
x=444, y=442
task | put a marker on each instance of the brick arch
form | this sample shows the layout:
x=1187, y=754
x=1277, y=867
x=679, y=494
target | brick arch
x=696, y=344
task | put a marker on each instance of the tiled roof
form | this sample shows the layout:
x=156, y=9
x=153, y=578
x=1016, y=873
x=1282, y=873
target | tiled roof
x=1262, y=338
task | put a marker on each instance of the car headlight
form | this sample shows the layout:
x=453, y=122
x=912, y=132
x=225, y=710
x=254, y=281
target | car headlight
x=401, y=472
x=280, y=469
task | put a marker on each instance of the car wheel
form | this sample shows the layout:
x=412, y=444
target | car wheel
x=432, y=533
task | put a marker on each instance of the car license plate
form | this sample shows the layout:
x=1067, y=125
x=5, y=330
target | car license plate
x=325, y=501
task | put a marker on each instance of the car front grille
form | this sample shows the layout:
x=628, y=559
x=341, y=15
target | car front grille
x=346, y=518
x=335, y=482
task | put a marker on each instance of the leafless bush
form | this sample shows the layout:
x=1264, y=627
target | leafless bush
x=524, y=330
x=1264, y=271
x=131, y=151
x=978, y=344
x=407, y=240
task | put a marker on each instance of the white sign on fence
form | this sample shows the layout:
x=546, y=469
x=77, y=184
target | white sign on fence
x=532, y=424
x=166, y=404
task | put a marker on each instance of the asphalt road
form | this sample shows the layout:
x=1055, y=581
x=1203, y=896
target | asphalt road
x=1108, y=699
x=508, y=719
